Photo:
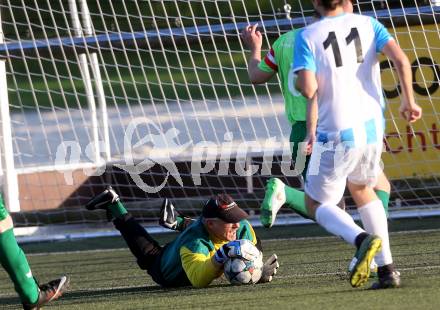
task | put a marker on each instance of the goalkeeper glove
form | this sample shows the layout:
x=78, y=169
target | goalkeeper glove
x=270, y=268
x=236, y=248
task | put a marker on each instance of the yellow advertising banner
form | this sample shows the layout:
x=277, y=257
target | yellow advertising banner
x=414, y=150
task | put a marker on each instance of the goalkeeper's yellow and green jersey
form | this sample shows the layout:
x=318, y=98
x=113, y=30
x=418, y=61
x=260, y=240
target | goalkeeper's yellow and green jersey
x=187, y=259
x=280, y=59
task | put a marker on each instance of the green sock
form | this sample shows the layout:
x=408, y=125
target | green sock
x=15, y=263
x=385, y=198
x=295, y=201
x=117, y=209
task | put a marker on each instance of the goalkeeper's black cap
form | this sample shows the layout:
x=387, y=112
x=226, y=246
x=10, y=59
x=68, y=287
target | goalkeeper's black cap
x=222, y=206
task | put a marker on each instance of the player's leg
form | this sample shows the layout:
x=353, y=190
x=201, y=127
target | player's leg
x=48, y=292
x=14, y=261
x=108, y=200
x=374, y=220
x=170, y=218
x=141, y=244
x=277, y=193
x=297, y=135
x=371, y=211
x=382, y=190
x=324, y=188
x=294, y=198
x=340, y=223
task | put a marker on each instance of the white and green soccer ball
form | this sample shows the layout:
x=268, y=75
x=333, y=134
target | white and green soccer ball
x=242, y=271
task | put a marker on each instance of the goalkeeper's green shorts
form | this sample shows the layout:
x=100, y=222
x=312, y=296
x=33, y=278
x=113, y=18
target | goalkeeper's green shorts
x=297, y=135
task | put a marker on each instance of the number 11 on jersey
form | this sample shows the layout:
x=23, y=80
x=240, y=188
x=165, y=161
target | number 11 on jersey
x=333, y=42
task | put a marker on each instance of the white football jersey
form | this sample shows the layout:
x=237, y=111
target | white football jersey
x=342, y=51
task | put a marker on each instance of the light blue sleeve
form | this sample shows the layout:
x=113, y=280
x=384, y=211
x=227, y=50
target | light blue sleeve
x=302, y=57
x=381, y=35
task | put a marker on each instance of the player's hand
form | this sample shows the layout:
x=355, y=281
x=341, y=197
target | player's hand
x=270, y=268
x=251, y=37
x=235, y=249
x=410, y=112
x=307, y=145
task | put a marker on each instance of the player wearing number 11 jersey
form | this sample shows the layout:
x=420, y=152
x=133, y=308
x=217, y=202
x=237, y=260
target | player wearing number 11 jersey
x=336, y=60
x=346, y=68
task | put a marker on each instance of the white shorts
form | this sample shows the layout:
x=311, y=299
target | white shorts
x=331, y=167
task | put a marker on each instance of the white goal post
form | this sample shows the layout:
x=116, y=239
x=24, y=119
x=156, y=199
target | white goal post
x=153, y=98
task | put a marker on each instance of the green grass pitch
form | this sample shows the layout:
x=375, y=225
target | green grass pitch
x=312, y=274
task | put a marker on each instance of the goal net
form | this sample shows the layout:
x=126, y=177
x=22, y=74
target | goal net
x=153, y=98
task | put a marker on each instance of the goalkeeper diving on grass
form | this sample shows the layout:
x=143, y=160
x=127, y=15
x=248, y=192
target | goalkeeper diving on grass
x=197, y=256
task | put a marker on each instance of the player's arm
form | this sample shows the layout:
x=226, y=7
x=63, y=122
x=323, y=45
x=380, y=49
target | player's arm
x=312, y=115
x=311, y=123
x=307, y=83
x=200, y=269
x=253, y=39
x=409, y=110
x=304, y=66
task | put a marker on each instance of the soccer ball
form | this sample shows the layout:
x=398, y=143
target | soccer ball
x=241, y=271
